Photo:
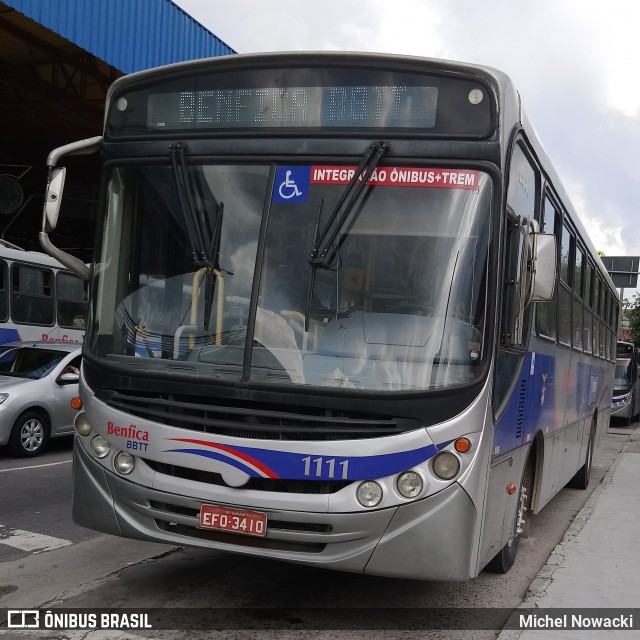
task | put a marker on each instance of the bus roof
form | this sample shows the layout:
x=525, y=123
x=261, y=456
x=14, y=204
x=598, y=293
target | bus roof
x=13, y=252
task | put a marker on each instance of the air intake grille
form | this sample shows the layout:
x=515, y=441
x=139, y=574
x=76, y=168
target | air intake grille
x=521, y=403
x=255, y=420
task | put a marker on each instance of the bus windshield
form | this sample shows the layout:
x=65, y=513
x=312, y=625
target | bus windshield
x=623, y=373
x=209, y=272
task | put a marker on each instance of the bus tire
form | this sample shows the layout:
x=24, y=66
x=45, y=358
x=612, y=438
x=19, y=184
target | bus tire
x=632, y=410
x=583, y=475
x=505, y=558
x=29, y=434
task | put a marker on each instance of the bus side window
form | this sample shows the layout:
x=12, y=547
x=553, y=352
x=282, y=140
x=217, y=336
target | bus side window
x=546, y=320
x=31, y=295
x=72, y=301
x=4, y=296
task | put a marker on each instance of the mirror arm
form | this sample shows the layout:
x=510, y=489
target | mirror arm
x=79, y=148
x=53, y=198
x=75, y=265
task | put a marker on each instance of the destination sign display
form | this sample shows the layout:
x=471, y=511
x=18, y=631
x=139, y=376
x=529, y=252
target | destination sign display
x=205, y=102
x=295, y=107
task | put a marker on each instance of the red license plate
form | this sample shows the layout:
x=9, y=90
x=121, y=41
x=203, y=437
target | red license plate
x=250, y=523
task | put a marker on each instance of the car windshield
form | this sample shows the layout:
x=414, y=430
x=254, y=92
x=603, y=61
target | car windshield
x=27, y=362
x=223, y=285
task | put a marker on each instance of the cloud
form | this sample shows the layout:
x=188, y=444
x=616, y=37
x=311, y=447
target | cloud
x=573, y=62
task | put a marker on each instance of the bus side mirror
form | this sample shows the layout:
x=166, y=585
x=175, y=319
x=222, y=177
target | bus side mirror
x=53, y=201
x=53, y=198
x=518, y=278
x=544, y=269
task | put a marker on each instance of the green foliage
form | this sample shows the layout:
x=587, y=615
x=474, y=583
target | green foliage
x=633, y=317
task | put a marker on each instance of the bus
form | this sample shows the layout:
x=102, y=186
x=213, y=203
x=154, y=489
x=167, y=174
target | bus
x=39, y=299
x=342, y=314
x=625, y=403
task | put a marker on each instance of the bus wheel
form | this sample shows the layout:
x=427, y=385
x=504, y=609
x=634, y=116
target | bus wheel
x=581, y=479
x=29, y=435
x=504, y=559
x=629, y=419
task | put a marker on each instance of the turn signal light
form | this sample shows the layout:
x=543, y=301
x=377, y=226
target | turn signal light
x=511, y=489
x=76, y=403
x=462, y=445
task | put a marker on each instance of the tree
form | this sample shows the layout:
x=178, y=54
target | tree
x=633, y=316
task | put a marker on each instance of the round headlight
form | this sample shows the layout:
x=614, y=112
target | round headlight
x=83, y=427
x=123, y=463
x=99, y=447
x=369, y=493
x=446, y=465
x=409, y=484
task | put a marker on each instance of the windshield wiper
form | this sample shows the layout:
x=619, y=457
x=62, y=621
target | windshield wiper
x=213, y=263
x=324, y=250
x=204, y=234
x=196, y=228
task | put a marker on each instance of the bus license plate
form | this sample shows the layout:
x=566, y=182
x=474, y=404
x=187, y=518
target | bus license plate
x=250, y=523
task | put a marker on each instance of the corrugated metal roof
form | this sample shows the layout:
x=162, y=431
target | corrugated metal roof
x=130, y=35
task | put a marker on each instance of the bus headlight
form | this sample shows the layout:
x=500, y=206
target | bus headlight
x=446, y=465
x=124, y=463
x=82, y=424
x=409, y=484
x=99, y=447
x=369, y=493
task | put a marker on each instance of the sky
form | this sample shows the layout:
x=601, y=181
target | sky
x=574, y=62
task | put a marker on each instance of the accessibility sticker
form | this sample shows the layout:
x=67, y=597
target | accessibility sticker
x=292, y=184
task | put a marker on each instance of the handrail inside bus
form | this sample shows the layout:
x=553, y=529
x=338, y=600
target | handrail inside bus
x=197, y=279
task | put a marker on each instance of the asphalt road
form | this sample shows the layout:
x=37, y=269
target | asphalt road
x=94, y=570
x=35, y=497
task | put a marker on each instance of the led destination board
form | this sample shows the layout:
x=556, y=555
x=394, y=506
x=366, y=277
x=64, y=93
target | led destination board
x=293, y=107
x=299, y=99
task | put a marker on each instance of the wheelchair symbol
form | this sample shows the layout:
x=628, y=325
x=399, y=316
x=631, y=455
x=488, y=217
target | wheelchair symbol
x=289, y=189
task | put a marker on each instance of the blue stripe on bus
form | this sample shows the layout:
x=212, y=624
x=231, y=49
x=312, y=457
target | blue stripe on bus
x=548, y=396
x=260, y=463
x=9, y=335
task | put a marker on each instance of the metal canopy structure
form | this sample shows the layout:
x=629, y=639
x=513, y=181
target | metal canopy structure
x=57, y=60
x=623, y=270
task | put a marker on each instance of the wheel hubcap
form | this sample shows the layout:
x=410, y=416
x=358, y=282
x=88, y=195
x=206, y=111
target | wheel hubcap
x=32, y=435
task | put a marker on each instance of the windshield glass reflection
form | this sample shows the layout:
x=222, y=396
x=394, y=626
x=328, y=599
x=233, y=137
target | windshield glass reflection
x=399, y=306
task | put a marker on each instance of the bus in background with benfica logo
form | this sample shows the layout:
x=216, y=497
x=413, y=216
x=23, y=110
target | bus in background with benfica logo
x=39, y=298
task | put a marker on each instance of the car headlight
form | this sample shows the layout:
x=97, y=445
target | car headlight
x=3, y=397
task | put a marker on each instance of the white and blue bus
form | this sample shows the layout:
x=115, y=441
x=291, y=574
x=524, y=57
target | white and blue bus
x=342, y=314
x=39, y=299
x=625, y=403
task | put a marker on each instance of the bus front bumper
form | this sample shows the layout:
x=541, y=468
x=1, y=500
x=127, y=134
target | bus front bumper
x=621, y=405
x=427, y=539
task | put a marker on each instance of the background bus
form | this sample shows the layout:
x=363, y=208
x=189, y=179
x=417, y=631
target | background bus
x=39, y=299
x=340, y=337
x=626, y=384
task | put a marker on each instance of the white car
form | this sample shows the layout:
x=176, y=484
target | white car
x=37, y=382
